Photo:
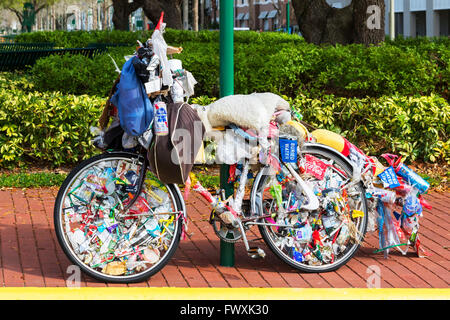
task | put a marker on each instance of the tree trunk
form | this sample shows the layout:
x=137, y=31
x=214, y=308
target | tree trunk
x=202, y=14
x=214, y=11
x=19, y=13
x=357, y=23
x=195, y=15
x=369, y=21
x=122, y=10
x=104, y=16
x=185, y=14
x=172, y=12
x=251, y=15
x=94, y=15
x=120, y=14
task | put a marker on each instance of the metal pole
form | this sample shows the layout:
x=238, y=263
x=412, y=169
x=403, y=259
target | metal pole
x=288, y=17
x=226, y=88
x=392, y=20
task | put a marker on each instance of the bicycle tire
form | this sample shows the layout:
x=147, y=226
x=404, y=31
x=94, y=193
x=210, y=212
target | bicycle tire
x=177, y=202
x=361, y=224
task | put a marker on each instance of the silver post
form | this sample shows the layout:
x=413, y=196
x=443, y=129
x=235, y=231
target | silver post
x=392, y=20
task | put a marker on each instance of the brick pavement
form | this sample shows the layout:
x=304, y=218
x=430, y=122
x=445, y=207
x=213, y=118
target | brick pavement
x=31, y=257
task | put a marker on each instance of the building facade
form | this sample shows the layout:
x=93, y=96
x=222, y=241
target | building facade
x=412, y=17
x=420, y=17
x=263, y=15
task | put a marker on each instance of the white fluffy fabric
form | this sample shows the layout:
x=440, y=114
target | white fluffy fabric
x=202, y=112
x=270, y=99
x=252, y=111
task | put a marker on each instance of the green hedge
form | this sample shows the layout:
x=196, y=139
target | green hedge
x=74, y=39
x=284, y=67
x=53, y=128
x=77, y=74
x=416, y=128
x=70, y=39
x=369, y=94
x=31, y=180
x=45, y=127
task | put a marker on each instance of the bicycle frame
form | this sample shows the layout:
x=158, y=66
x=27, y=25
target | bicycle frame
x=141, y=179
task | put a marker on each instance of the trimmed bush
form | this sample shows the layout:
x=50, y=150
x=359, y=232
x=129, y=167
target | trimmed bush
x=53, y=128
x=77, y=74
x=281, y=67
x=76, y=39
x=416, y=128
x=45, y=127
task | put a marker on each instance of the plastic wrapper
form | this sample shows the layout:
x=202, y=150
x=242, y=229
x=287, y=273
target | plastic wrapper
x=160, y=49
x=128, y=141
x=314, y=166
x=304, y=234
x=276, y=192
x=98, y=141
x=237, y=203
x=232, y=148
x=146, y=138
x=288, y=149
x=188, y=83
x=382, y=194
x=402, y=170
x=205, y=194
x=134, y=107
x=177, y=91
x=388, y=236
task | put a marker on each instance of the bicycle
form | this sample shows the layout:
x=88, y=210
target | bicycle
x=119, y=223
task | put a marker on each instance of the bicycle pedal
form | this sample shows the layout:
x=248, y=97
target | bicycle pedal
x=256, y=253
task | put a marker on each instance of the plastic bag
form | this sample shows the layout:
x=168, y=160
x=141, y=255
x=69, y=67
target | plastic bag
x=134, y=107
x=160, y=49
x=248, y=111
x=388, y=236
x=232, y=148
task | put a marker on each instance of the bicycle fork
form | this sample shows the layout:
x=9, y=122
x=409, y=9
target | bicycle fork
x=311, y=204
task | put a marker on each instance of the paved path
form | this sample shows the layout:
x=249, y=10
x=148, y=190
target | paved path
x=30, y=255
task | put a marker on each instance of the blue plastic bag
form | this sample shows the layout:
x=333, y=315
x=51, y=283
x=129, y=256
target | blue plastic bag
x=134, y=108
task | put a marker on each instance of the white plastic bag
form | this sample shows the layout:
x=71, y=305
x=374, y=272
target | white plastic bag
x=232, y=148
x=160, y=49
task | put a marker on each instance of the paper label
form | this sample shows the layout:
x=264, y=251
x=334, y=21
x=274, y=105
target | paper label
x=315, y=166
x=153, y=86
x=389, y=178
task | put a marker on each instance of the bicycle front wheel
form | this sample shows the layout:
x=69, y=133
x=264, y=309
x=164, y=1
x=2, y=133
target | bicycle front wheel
x=314, y=241
x=105, y=238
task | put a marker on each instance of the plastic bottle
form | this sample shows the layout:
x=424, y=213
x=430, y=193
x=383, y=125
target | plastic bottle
x=385, y=195
x=406, y=173
x=412, y=178
x=161, y=126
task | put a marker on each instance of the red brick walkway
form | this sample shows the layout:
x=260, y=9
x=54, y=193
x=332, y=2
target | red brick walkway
x=30, y=255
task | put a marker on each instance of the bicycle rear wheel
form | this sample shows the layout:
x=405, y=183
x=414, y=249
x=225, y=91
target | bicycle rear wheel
x=325, y=239
x=105, y=238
